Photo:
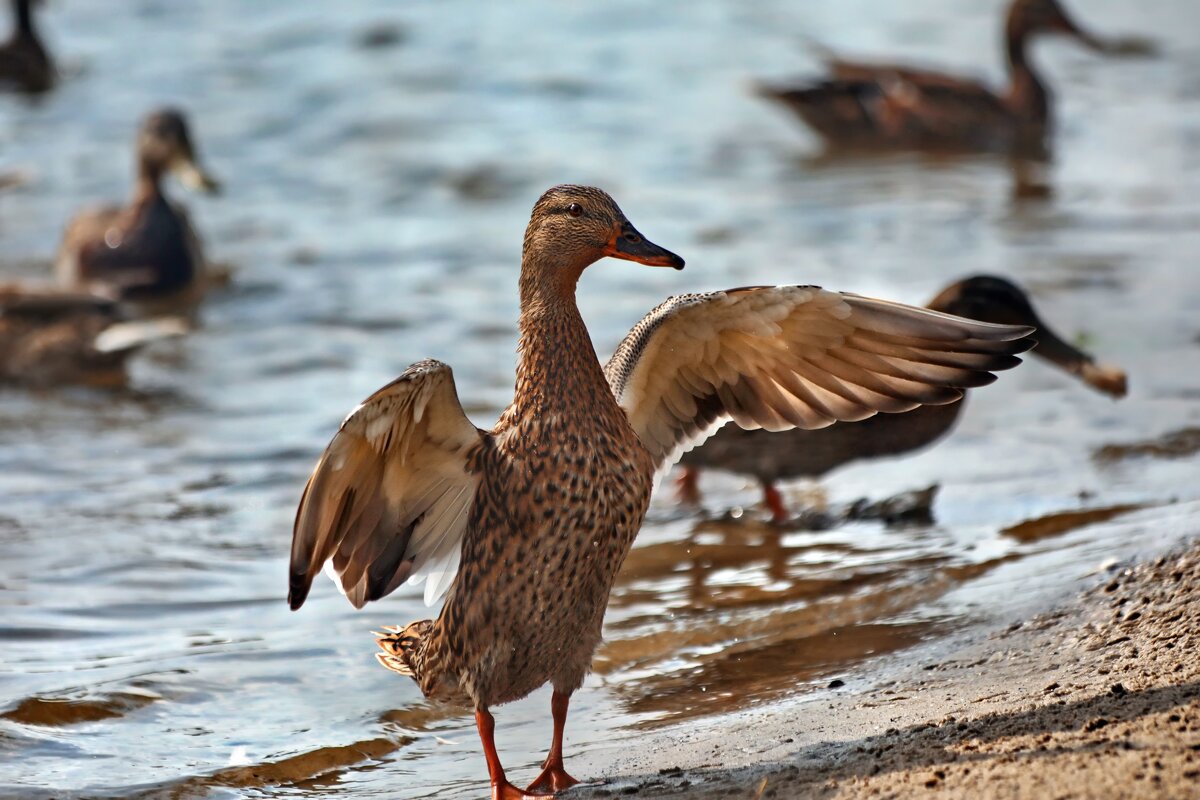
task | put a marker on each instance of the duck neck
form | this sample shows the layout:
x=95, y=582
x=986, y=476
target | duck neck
x=149, y=178
x=1027, y=95
x=557, y=367
x=23, y=9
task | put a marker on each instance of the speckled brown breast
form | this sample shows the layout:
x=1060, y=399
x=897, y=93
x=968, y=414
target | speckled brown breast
x=565, y=487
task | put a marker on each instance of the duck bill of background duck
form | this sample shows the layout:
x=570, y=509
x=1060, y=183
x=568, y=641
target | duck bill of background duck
x=1063, y=23
x=630, y=245
x=193, y=176
x=187, y=167
x=1103, y=378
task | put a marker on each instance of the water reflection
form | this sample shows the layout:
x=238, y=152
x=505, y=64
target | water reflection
x=1030, y=172
x=744, y=611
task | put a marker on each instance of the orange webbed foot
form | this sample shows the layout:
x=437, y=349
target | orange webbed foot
x=506, y=791
x=552, y=780
x=687, y=487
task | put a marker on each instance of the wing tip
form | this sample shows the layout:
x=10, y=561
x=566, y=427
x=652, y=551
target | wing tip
x=298, y=588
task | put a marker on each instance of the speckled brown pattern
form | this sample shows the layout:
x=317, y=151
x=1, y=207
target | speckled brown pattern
x=535, y=577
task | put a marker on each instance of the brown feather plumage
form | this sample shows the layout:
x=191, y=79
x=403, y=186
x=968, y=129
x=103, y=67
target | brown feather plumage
x=771, y=457
x=864, y=104
x=558, y=489
x=25, y=63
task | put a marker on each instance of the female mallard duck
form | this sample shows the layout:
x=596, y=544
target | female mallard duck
x=897, y=106
x=526, y=525
x=24, y=61
x=51, y=338
x=145, y=254
x=809, y=454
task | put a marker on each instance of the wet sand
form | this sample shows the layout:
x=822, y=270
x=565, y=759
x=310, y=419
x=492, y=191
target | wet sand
x=1099, y=697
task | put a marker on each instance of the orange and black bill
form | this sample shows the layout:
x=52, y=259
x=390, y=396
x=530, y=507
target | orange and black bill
x=630, y=245
x=1071, y=359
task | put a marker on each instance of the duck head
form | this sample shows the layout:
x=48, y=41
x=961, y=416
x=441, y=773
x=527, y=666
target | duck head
x=572, y=227
x=1029, y=17
x=991, y=299
x=164, y=144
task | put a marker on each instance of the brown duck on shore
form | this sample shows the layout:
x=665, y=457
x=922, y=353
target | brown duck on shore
x=525, y=526
x=145, y=254
x=884, y=105
x=54, y=338
x=772, y=457
x=25, y=63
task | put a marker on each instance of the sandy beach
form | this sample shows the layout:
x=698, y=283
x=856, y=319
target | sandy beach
x=1097, y=698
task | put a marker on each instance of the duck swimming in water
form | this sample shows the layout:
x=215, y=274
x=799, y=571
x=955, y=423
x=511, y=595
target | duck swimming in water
x=25, y=64
x=524, y=527
x=54, y=338
x=146, y=254
x=883, y=105
x=772, y=457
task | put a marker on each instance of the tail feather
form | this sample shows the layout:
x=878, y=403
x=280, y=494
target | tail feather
x=402, y=647
x=123, y=337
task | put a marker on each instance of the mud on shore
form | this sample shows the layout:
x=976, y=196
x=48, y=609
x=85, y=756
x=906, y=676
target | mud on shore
x=1097, y=698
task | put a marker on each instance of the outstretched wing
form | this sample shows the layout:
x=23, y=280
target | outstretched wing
x=779, y=357
x=389, y=499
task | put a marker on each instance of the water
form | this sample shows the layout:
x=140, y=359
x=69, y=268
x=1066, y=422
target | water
x=375, y=201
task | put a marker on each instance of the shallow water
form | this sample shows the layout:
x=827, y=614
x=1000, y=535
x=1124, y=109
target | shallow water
x=379, y=169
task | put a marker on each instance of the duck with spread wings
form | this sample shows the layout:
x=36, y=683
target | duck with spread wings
x=523, y=527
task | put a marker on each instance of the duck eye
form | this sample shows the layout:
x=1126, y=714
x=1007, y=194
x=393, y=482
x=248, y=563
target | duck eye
x=575, y=210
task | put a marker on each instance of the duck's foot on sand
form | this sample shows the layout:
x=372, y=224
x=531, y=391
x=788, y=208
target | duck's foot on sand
x=506, y=791
x=552, y=780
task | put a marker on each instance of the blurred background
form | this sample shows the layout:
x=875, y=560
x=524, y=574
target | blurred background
x=379, y=164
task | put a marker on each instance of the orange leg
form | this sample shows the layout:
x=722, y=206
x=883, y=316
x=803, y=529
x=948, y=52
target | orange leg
x=554, y=777
x=774, y=501
x=501, y=788
x=687, y=487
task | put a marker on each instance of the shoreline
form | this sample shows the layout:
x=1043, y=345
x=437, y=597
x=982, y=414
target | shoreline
x=1097, y=697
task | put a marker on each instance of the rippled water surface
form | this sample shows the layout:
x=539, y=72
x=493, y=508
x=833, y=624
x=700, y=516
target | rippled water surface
x=380, y=163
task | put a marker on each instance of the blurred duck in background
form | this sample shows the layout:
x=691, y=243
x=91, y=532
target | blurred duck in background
x=53, y=338
x=146, y=254
x=866, y=105
x=25, y=65
x=771, y=457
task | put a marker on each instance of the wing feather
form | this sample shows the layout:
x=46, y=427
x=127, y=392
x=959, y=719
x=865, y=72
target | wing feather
x=390, y=498
x=778, y=357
